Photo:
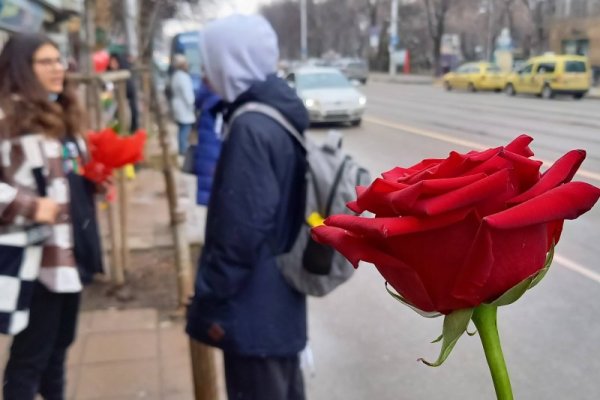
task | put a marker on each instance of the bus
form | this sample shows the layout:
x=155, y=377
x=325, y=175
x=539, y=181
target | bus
x=188, y=44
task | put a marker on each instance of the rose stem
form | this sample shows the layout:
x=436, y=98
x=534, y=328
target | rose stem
x=484, y=318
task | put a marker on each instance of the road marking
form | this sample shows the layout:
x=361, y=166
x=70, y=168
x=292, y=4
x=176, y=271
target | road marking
x=565, y=262
x=461, y=142
x=580, y=269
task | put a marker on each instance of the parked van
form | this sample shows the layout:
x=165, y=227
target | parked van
x=550, y=75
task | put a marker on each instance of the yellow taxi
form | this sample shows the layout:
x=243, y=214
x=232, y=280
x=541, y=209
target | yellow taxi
x=475, y=76
x=550, y=75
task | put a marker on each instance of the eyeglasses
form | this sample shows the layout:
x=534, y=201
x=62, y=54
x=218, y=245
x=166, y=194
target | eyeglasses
x=51, y=62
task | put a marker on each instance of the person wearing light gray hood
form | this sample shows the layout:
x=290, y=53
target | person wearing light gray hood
x=183, y=101
x=242, y=303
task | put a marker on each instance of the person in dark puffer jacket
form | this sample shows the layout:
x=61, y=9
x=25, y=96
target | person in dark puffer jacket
x=242, y=303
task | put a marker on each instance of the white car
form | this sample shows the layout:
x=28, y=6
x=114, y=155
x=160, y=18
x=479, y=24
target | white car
x=328, y=95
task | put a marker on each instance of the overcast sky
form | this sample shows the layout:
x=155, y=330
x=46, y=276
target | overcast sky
x=241, y=6
x=218, y=9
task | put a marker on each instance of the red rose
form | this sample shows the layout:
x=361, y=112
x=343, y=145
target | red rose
x=452, y=233
x=114, y=151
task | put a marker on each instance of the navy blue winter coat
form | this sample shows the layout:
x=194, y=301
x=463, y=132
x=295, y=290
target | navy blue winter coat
x=209, y=143
x=242, y=303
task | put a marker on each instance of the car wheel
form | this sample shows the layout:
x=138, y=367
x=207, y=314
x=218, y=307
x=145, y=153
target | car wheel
x=497, y=90
x=547, y=92
x=447, y=86
x=578, y=96
x=357, y=122
x=471, y=88
x=510, y=90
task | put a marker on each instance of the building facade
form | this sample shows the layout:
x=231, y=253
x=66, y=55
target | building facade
x=576, y=30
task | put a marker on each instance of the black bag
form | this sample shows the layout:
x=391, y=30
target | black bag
x=87, y=246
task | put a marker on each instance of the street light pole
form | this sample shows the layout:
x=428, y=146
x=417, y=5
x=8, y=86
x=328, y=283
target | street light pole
x=393, y=36
x=303, y=30
x=489, y=47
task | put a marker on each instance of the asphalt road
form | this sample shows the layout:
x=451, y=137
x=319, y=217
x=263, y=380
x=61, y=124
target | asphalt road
x=365, y=344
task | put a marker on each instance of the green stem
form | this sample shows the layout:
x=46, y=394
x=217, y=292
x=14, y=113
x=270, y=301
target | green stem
x=484, y=318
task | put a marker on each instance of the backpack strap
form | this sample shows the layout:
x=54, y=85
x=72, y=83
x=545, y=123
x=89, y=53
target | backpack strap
x=270, y=112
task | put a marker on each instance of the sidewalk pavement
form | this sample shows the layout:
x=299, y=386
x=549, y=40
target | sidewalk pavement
x=131, y=354
x=126, y=355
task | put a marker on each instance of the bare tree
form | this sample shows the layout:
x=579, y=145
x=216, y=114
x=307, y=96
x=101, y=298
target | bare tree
x=437, y=11
x=539, y=12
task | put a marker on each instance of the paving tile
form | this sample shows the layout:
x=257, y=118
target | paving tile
x=72, y=380
x=176, y=374
x=84, y=324
x=120, y=346
x=5, y=342
x=76, y=351
x=174, y=342
x=127, y=380
x=124, y=320
x=179, y=396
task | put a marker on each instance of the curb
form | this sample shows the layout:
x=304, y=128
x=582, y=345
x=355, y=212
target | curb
x=401, y=80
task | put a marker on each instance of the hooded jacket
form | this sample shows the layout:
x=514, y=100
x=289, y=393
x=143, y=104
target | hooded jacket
x=242, y=303
x=208, y=150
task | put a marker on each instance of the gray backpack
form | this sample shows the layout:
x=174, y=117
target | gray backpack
x=309, y=267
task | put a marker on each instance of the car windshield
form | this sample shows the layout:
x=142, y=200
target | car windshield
x=320, y=80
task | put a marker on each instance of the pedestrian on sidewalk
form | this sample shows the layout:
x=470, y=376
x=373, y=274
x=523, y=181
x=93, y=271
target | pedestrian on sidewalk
x=121, y=62
x=242, y=303
x=182, y=101
x=40, y=183
x=208, y=150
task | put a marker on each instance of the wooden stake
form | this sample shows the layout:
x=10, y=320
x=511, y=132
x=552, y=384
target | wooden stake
x=123, y=195
x=205, y=372
x=176, y=212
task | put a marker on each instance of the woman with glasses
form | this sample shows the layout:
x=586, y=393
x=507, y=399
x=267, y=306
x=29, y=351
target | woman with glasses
x=41, y=152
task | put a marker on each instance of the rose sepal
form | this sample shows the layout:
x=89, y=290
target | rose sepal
x=455, y=324
x=408, y=304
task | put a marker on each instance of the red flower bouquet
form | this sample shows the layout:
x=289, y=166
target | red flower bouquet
x=109, y=151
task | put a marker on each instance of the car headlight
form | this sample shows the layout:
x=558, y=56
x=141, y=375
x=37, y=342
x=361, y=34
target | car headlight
x=362, y=100
x=310, y=103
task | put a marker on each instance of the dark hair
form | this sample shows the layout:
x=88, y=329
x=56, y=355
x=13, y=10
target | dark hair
x=121, y=59
x=24, y=100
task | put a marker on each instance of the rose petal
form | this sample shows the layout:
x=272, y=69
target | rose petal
x=404, y=200
x=500, y=259
x=381, y=228
x=375, y=200
x=469, y=195
x=567, y=201
x=436, y=255
x=561, y=172
x=402, y=278
x=526, y=170
x=521, y=146
x=476, y=270
x=518, y=254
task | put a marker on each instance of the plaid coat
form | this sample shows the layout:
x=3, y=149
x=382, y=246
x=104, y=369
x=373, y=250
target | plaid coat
x=27, y=163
